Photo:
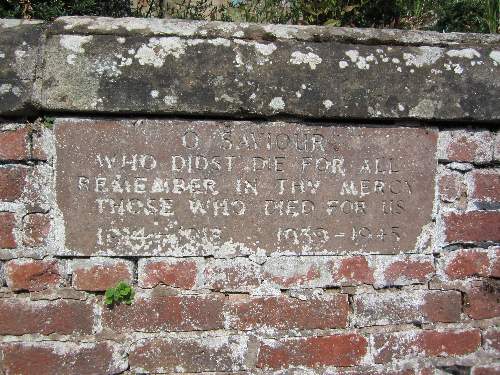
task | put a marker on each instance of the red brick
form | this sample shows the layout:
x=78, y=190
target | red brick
x=167, y=313
x=372, y=371
x=334, y=350
x=409, y=270
x=462, y=146
x=486, y=185
x=292, y=272
x=239, y=274
x=7, y=225
x=193, y=355
x=465, y=263
x=413, y=344
x=406, y=307
x=474, y=226
x=451, y=186
x=352, y=271
x=483, y=301
x=14, y=145
x=49, y=358
x=174, y=272
x=36, y=228
x=65, y=317
x=246, y=313
x=100, y=274
x=491, y=339
x=486, y=370
x=37, y=147
x=32, y=275
x=12, y=182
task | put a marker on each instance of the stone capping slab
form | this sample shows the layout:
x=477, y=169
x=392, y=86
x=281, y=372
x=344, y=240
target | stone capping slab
x=20, y=44
x=242, y=70
x=129, y=26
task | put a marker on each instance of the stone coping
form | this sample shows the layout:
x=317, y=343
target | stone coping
x=241, y=70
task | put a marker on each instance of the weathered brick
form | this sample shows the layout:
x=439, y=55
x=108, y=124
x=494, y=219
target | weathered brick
x=387, y=308
x=52, y=357
x=12, y=182
x=14, y=144
x=36, y=228
x=335, y=350
x=22, y=316
x=196, y=354
x=7, y=225
x=174, y=272
x=406, y=270
x=474, y=226
x=413, y=344
x=38, y=188
x=38, y=146
x=486, y=370
x=466, y=146
x=379, y=371
x=482, y=301
x=247, y=313
x=465, y=263
x=293, y=272
x=97, y=274
x=491, y=339
x=167, y=313
x=451, y=186
x=352, y=271
x=32, y=275
x=485, y=186
x=239, y=274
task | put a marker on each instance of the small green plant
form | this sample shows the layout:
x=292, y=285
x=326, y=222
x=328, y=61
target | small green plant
x=121, y=293
x=48, y=122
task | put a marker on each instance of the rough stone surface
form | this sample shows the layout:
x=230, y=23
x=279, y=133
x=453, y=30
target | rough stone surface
x=166, y=72
x=20, y=51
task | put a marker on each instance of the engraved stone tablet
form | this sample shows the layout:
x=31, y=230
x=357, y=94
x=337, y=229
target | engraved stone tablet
x=157, y=187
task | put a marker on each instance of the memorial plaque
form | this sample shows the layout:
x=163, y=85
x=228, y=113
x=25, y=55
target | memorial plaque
x=158, y=187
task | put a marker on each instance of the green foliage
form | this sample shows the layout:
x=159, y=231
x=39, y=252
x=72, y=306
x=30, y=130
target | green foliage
x=50, y=9
x=440, y=15
x=48, y=122
x=464, y=16
x=121, y=293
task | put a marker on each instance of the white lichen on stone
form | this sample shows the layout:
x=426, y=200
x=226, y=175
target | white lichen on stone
x=426, y=56
x=74, y=43
x=70, y=59
x=277, y=103
x=155, y=52
x=170, y=100
x=495, y=55
x=305, y=58
x=360, y=61
x=265, y=49
x=343, y=64
x=327, y=103
x=220, y=42
x=426, y=108
x=466, y=53
x=7, y=87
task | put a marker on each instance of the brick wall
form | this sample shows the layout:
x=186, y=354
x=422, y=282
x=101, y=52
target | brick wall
x=402, y=314
x=434, y=310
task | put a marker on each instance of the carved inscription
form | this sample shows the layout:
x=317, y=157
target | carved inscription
x=232, y=188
